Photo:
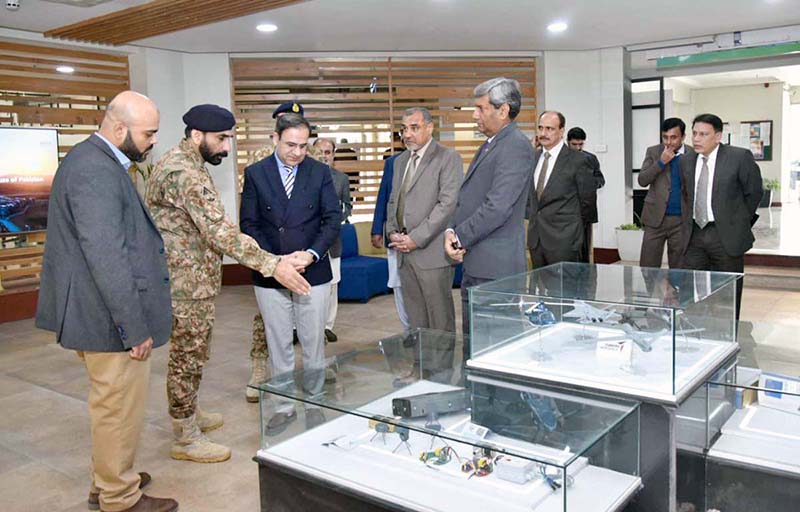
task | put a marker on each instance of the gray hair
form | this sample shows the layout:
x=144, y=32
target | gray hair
x=426, y=114
x=501, y=90
x=291, y=120
x=332, y=142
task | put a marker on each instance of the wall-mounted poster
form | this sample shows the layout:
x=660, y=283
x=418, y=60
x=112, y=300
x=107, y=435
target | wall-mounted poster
x=757, y=137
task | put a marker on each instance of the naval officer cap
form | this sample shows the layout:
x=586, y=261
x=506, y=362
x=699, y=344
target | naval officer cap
x=209, y=118
x=288, y=107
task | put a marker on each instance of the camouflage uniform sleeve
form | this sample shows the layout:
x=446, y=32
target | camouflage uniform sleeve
x=204, y=206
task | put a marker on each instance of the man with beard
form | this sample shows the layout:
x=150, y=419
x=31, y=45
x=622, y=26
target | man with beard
x=188, y=211
x=105, y=292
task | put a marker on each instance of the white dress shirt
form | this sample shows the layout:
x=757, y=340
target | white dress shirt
x=552, y=162
x=712, y=163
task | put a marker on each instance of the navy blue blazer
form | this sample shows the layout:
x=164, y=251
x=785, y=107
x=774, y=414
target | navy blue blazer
x=311, y=219
x=384, y=192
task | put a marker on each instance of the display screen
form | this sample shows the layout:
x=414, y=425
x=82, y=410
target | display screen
x=27, y=166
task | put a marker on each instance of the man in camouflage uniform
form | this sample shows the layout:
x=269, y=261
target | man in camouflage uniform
x=188, y=211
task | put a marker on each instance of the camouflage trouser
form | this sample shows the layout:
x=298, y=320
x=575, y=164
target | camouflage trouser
x=259, y=349
x=192, y=323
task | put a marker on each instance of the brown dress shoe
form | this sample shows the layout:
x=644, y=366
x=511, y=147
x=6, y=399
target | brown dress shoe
x=94, y=498
x=148, y=504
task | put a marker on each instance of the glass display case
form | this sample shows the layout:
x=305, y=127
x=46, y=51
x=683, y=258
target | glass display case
x=400, y=422
x=752, y=454
x=652, y=334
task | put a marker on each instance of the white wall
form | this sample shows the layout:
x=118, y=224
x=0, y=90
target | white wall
x=588, y=87
x=176, y=82
x=743, y=103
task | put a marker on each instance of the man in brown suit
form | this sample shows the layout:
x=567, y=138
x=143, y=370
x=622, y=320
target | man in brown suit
x=661, y=215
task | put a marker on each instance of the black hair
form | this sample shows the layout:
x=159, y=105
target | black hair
x=711, y=119
x=576, y=133
x=674, y=122
x=287, y=121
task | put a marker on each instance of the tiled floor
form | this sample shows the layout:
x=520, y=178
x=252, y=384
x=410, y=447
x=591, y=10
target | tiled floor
x=44, y=434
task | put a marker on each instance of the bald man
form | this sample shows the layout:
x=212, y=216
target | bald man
x=105, y=292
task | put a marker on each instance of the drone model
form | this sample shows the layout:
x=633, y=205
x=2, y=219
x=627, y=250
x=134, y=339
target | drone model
x=587, y=314
x=644, y=340
x=537, y=313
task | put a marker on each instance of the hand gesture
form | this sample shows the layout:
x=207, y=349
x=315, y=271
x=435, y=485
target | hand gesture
x=286, y=274
x=377, y=241
x=667, y=155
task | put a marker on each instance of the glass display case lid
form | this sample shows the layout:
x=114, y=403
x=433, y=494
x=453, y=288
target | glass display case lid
x=614, y=284
x=392, y=380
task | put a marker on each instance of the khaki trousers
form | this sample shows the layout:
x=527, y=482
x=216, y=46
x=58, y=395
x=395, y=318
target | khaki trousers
x=117, y=395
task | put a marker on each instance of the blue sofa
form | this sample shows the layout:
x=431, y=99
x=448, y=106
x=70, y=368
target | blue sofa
x=363, y=277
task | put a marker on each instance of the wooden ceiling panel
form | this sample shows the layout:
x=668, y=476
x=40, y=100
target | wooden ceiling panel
x=160, y=17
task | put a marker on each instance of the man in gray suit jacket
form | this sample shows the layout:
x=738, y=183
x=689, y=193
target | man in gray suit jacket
x=327, y=151
x=661, y=214
x=721, y=189
x=105, y=291
x=487, y=231
x=427, y=178
x=562, y=196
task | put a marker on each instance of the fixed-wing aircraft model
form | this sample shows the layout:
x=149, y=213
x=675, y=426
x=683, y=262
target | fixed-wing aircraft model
x=588, y=314
x=644, y=339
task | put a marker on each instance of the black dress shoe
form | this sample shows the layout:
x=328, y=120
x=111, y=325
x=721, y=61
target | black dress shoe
x=94, y=498
x=331, y=336
x=279, y=422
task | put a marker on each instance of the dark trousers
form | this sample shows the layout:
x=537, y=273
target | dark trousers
x=467, y=282
x=588, y=247
x=669, y=232
x=705, y=252
x=542, y=257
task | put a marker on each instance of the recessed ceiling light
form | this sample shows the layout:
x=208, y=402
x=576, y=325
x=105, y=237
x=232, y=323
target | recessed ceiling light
x=267, y=27
x=558, y=26
x=65, y=69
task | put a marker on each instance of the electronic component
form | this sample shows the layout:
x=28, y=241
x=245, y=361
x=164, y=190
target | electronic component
x=514, y=469
x=438, y=456
x=431, y=403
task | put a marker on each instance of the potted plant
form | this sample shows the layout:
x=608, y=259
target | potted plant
x=629, y=241
x=769, y=186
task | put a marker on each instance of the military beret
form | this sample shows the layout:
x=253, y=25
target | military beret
x=286, y=107
x=209, y=118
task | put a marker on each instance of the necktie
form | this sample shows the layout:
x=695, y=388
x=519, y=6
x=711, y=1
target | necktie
x=288, y=180
x=542, y=176
x=701, y=196
x=401, y=199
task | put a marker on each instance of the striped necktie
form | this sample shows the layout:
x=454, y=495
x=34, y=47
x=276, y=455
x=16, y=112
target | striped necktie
x=288, y=180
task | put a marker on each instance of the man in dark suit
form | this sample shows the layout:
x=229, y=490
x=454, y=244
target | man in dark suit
x=327, y=149
x=562, y=195
x=720, y=191
x=661, y=215
x=289, y=206
x=576, y=138
x=487, y=231
x=105, y=292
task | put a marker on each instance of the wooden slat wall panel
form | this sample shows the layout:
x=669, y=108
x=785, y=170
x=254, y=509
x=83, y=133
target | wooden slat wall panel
x=337, y=100
x=33, y=93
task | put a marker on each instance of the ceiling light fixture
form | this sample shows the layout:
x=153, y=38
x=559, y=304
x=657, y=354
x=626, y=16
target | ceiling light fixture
x=558, y=26
x=267, y=27
x=65, y=69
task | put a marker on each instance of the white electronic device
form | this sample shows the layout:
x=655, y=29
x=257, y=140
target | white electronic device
x=514, y=469
x=779, y=392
